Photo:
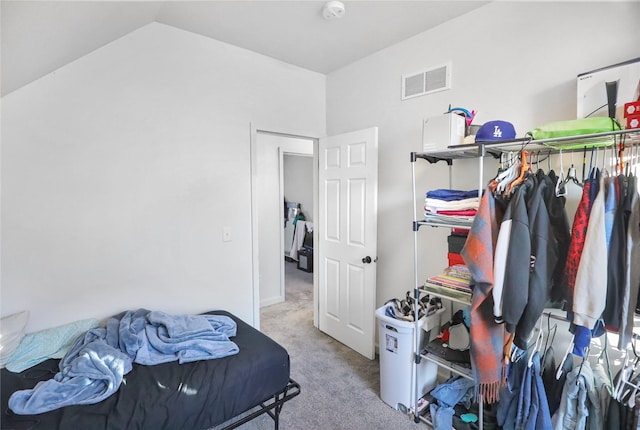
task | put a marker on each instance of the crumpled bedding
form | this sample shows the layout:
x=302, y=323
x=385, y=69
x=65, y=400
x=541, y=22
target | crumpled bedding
x=96, y=364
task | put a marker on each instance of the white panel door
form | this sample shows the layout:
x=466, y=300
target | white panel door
x=348, y=190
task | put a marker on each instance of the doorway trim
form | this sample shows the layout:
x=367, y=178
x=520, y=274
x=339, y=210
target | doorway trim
x=255, y=232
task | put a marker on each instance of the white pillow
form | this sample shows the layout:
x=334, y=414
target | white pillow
x=11, y=333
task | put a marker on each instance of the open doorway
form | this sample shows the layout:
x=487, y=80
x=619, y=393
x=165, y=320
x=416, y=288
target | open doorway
x=297, y=188
x=274, y=151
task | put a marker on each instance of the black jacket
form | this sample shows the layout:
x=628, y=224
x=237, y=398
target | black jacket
x=516, y=277
x=542, y=260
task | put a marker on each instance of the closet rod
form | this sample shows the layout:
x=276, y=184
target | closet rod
x=636, y=336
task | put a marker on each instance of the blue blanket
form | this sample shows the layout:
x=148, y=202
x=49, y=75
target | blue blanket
x=94, y=367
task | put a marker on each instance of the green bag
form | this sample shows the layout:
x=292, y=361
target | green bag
x=578, y=127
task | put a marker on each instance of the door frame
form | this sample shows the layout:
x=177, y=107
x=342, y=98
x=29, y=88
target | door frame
x=254, y=131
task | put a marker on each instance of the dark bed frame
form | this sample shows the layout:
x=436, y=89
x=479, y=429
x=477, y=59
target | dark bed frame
x=272, y=407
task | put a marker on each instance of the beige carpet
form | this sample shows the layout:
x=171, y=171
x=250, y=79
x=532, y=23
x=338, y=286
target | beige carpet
x=339, y=387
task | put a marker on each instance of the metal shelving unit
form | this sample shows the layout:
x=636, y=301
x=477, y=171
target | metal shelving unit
x=480, y=151
x=433, y=289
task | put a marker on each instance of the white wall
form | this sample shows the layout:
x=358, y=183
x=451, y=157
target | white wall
x=516, y=61
x=269, y=150
x=120, y=170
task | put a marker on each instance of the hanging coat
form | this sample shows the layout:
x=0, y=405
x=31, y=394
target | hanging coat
x=589, y=294
x=516, y=280
x=542, y=260
x=617, y=259
x=562, y=238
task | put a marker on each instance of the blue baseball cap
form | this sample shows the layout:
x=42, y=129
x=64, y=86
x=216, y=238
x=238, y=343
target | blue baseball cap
x=495, y=130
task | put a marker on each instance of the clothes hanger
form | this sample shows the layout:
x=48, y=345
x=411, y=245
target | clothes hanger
x=605, y=167
x=631, y=387
x=621, y=155
x=524, y=168
x=593, y=169
x=631, y=402
x=620, y=383
x=564, y=358
x=504, y=166
x=605, y=354
x=537, y=345
x=617, y=161
x=571, y=174
x=515, y=352
x=551, y=336
x=627, y=373
x=509, y=176
x=584, y=163
x=503, y=158
x=560, y=188
x=582, y=364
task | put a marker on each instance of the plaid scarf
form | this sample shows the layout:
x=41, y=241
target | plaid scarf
x=488, y=339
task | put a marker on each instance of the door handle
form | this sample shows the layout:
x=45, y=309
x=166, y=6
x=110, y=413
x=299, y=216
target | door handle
x=366, y=260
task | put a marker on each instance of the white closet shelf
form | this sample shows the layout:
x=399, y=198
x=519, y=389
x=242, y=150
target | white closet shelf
x=441, y=224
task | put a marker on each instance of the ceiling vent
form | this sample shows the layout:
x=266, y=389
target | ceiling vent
x=426, y=81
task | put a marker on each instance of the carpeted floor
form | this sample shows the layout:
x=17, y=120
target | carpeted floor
x=339, y=387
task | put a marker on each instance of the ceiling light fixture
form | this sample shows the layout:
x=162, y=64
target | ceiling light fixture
x=333, y=10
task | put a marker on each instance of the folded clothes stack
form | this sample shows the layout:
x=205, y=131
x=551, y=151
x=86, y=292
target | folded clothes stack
x=457, y=277
x=451, y=206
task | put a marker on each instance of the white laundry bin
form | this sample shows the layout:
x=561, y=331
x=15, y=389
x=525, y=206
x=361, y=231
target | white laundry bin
x=397, y=353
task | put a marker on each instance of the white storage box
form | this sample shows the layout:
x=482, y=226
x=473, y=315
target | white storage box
x=397, y=352
x=442, y=131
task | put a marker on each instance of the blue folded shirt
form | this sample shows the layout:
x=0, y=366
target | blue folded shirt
x=451, y=195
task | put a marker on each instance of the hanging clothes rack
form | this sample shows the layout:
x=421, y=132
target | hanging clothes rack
x=494, y=149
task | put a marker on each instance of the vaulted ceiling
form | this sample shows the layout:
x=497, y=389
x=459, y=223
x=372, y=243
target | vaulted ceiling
x=40, y=36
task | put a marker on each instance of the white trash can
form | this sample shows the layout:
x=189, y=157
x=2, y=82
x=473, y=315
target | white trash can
x=397, y=353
